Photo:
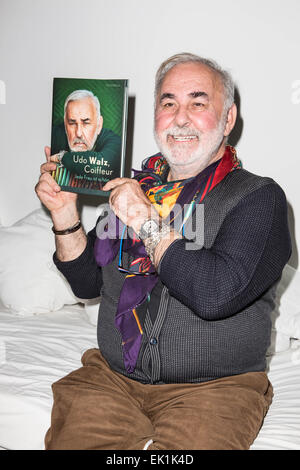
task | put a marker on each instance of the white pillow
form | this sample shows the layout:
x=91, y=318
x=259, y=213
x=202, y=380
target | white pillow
x=30, y=283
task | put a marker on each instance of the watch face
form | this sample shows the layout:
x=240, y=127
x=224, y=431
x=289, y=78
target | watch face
x=148, y=228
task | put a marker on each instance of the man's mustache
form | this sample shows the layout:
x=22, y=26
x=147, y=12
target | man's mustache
x=79, y=141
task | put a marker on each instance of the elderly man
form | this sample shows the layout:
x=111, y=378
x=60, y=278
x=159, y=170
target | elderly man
x=183, y=329
x=82, y=130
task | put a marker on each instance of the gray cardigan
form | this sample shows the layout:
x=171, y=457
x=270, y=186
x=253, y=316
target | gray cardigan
x=209, y=315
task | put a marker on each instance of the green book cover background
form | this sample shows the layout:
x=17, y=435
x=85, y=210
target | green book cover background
x=87, y=171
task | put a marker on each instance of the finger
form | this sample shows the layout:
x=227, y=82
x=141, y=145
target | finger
x=111, y=184
x=46, y=197
x=50, y=181
x=54, y=158
x=110, y=200
x=48, y=167
x=114, y=183
x=49, y=184
x=47, y=153
x=44, y=188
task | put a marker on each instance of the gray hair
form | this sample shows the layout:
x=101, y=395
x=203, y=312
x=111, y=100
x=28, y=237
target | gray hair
x=80, y=95
x=185, y=57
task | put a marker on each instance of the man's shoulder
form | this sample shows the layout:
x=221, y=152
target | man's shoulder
x=244, y=179
x=240, y=184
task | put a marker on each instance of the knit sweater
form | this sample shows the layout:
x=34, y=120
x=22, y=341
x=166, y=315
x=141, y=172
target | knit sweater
x=209, y=314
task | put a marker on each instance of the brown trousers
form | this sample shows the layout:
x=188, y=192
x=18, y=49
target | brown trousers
x=97, y=408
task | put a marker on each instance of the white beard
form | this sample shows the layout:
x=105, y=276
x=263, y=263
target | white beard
x=180, y=155
x=75, y=142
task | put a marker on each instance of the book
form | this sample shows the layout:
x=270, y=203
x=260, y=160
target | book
x=88, y=134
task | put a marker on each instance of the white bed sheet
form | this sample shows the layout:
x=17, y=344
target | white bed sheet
x=281, y=428
x=38, y=350
x=35, y=352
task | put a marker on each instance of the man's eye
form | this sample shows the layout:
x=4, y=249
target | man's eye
x=197, y=104
x=168, y=105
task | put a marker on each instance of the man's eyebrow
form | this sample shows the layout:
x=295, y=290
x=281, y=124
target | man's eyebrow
x=170, y=96
x=193, y=94
x=85, y=119
x=197, y=94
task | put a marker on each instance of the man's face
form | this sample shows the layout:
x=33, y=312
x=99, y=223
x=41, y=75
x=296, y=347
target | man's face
x=81, y=124
x=189, y=119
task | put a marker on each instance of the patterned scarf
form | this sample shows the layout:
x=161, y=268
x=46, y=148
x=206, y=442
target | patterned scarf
x=141, y=276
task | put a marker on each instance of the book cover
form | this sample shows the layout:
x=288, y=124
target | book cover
x=89, y=120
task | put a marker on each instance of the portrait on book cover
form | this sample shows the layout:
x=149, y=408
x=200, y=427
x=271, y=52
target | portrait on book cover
x=88, y=132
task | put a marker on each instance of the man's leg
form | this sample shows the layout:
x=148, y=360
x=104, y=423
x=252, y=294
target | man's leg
x=222, y=414
x=94, y=408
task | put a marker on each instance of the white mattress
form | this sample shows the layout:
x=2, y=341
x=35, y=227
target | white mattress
x=38, y=350
x=35, y=352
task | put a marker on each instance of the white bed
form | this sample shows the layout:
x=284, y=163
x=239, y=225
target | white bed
x=37, y=351
x=44, y=331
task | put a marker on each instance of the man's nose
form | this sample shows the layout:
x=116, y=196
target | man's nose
x=79, y=130
x=182, y=118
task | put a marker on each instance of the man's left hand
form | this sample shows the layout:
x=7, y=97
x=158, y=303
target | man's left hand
x=129, y=202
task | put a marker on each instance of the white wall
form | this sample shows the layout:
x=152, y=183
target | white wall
x=258, y=40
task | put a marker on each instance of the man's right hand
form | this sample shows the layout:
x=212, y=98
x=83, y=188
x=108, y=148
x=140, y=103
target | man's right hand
x=49, y=192
x=63, y=209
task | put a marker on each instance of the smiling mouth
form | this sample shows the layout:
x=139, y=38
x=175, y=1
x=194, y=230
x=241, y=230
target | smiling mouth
x=183, y=138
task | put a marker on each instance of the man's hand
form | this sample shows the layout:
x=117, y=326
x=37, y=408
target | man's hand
x=63, y=210
x=132, y=206
x=48, y=191
x=61, y=204
x=129, y=202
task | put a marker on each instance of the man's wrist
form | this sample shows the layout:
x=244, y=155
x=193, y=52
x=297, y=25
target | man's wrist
x=65, y=218
x=161, y=247
x=69, y=230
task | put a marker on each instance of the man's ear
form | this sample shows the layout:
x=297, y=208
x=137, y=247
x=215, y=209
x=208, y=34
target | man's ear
x=231, y=119
x=100, y=125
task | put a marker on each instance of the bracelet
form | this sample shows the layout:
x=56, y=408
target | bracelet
x=152, y=241
x=68, y=230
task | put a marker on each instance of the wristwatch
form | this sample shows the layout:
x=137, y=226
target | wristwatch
x=152, y=233
x=148, y=228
